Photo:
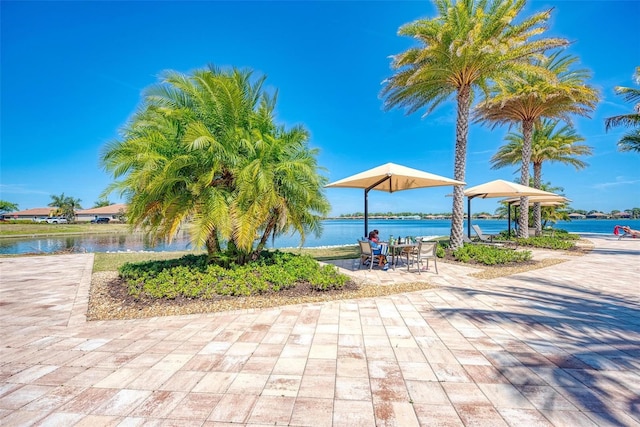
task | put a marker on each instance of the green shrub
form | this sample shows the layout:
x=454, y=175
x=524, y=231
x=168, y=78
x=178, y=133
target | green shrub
x=490, y=255
x=192, y=276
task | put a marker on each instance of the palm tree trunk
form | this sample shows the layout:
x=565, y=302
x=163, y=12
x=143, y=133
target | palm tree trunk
x=527, y=138
x=265, y=235
x=462, y=132
x=212, y=243
x=537, y=211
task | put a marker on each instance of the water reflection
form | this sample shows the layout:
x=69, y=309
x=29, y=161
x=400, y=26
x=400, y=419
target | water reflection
x=91, y=243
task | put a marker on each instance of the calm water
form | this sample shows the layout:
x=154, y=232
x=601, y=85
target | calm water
x=336, y=233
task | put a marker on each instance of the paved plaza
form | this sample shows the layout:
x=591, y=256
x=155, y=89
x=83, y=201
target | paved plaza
x=558, y=346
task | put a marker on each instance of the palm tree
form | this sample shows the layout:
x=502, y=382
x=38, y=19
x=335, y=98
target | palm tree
x=548, y=145
x=469, y=43
x=101, y=203
x=527, y=98
x=66, y=206
x=630, y=141
x=6, y=206
x=203, y=153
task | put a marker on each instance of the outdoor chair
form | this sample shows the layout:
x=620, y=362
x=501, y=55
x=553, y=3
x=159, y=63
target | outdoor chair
x=491, y=240
x=366, y=254
x=425, y=251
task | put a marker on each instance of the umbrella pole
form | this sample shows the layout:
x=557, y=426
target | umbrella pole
x=509, y=220
x=366, y=212
x=469, y=217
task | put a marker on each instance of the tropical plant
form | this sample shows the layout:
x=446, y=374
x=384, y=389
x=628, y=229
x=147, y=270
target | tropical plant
x=630, y=141
x=204, y=152
x=102, y=203
x=468, y=44
x=65, y=206
x=525, y=98
x=7, y=207
x=548, y=145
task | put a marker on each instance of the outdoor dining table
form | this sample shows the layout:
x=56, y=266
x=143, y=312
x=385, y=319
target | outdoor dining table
x=399, y=248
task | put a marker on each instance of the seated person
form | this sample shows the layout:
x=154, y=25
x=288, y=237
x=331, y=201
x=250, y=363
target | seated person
x=377, y=247
x=630, y=231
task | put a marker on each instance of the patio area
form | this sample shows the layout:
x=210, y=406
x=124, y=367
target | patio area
x=558, y=346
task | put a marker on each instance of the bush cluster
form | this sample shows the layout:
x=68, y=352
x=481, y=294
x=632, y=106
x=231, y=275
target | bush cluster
x=560, y=240
x=490, y=255
x=192, y=276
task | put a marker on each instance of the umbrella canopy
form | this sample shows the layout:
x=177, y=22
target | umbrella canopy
x=500, y=188
x=390, y=178
x=543, y=200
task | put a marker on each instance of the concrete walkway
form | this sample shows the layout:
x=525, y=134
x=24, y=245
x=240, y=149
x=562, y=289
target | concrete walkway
x=556, y=346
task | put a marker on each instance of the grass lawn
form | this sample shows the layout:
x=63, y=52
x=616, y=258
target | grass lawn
x=27, y=228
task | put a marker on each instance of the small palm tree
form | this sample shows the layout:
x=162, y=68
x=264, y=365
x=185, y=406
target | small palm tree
x=630, y=141
x=527, y=98
x=468, y=44
x=65, y=206
x=548, y=145
x=205, y=153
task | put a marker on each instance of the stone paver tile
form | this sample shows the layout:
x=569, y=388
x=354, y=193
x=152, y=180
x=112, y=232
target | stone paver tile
x=505, y=396
x=182, y=381
x=89, y=377
x=521, y=375
x=351, y=388
x=195, y=406
x=282, y=385
x=546, y=397
x=395, y=414
x=317, y=386
x=122, y=402
x=472, y=415
x=426, y=392
x=62, y=419
x=320, y=367
x=417, y=371
x=524, y=417
x=54, y=398
x=22, y=396
x=98, y=420
x=60, y=376
x=248, y=383
x=353, y=413
x=437, y=415
x=159, y=404
x=323, y=351
x=485, y=374
x=215, y=382
x=450, y=372
x=151, y=379
x=569, y=418
x=272, y=410
x=120, y=378
x=465, y=393
x=315, y=412
x=389, y=389
x=290, y=365
x=352, y=367
x=233, y=408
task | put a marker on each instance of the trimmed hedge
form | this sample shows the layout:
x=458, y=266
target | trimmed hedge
x=191, y=276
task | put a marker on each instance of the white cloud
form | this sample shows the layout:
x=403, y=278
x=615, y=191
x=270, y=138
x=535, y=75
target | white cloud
x=619, y=181
x=19, y=189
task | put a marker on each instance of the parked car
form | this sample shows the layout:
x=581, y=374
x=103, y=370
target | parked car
x=57, y=220
x=100, y=221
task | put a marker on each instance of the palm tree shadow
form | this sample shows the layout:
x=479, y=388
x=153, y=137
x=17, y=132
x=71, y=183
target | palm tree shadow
x=585, y=343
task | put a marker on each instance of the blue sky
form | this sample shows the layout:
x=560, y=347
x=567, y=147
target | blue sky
x=73, y=72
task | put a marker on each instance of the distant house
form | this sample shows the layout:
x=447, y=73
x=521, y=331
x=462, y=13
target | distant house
x=576, y=215
x=32, y=214
x=597, y=215
x=622, y=215
x=114, y=212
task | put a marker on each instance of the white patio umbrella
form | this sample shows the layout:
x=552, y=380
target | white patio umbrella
x=543, y=200
x=500, y=188
x=390, y=178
